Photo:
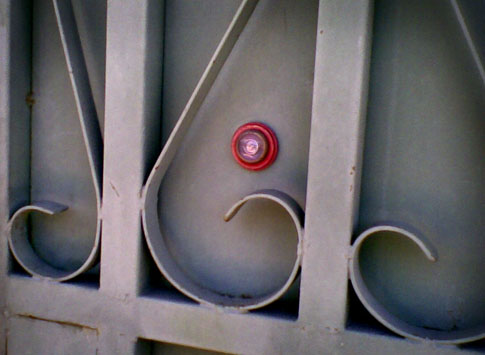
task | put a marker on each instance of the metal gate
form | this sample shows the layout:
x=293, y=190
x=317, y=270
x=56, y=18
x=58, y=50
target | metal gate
x=242, y=176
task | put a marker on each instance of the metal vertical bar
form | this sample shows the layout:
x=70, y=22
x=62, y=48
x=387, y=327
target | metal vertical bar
x=15, y=84
x=339, y=108
x=15, y=102
x=4, y=214
x=132, y=125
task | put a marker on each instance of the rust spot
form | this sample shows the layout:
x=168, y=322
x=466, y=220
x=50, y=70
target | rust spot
x=65, y=323
x=29, y=99
x=228, y=295
x=332, y=330
x=114, y=189
x=351, y=188
x=321, y=32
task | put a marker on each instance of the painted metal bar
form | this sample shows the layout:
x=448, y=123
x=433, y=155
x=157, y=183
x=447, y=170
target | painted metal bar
x=183, y=323
x=336, y=141
x=82, y=91
x=468, y=38
x=134, y=59
x=15, y=85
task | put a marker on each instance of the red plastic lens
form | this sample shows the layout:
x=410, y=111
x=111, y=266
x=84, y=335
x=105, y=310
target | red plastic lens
x=254, y=146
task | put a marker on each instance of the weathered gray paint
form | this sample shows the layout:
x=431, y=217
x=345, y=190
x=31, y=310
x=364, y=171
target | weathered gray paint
x=125, y=306
x=15, y=82
x=424, y=170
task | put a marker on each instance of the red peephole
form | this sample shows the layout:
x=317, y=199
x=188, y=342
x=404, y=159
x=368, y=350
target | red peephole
x=254, y=146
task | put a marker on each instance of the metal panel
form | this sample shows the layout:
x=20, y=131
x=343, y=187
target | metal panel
x=206, y=67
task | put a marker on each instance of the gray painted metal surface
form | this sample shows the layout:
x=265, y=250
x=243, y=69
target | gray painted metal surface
x=423, y=172
x=28, y=253
x=187, y=253
x=364, y=236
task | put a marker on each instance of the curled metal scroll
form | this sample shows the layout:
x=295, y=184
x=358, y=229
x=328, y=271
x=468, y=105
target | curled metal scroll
x=192, y=289
x=151, y=224
x=17, y=229
x=385, y=317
